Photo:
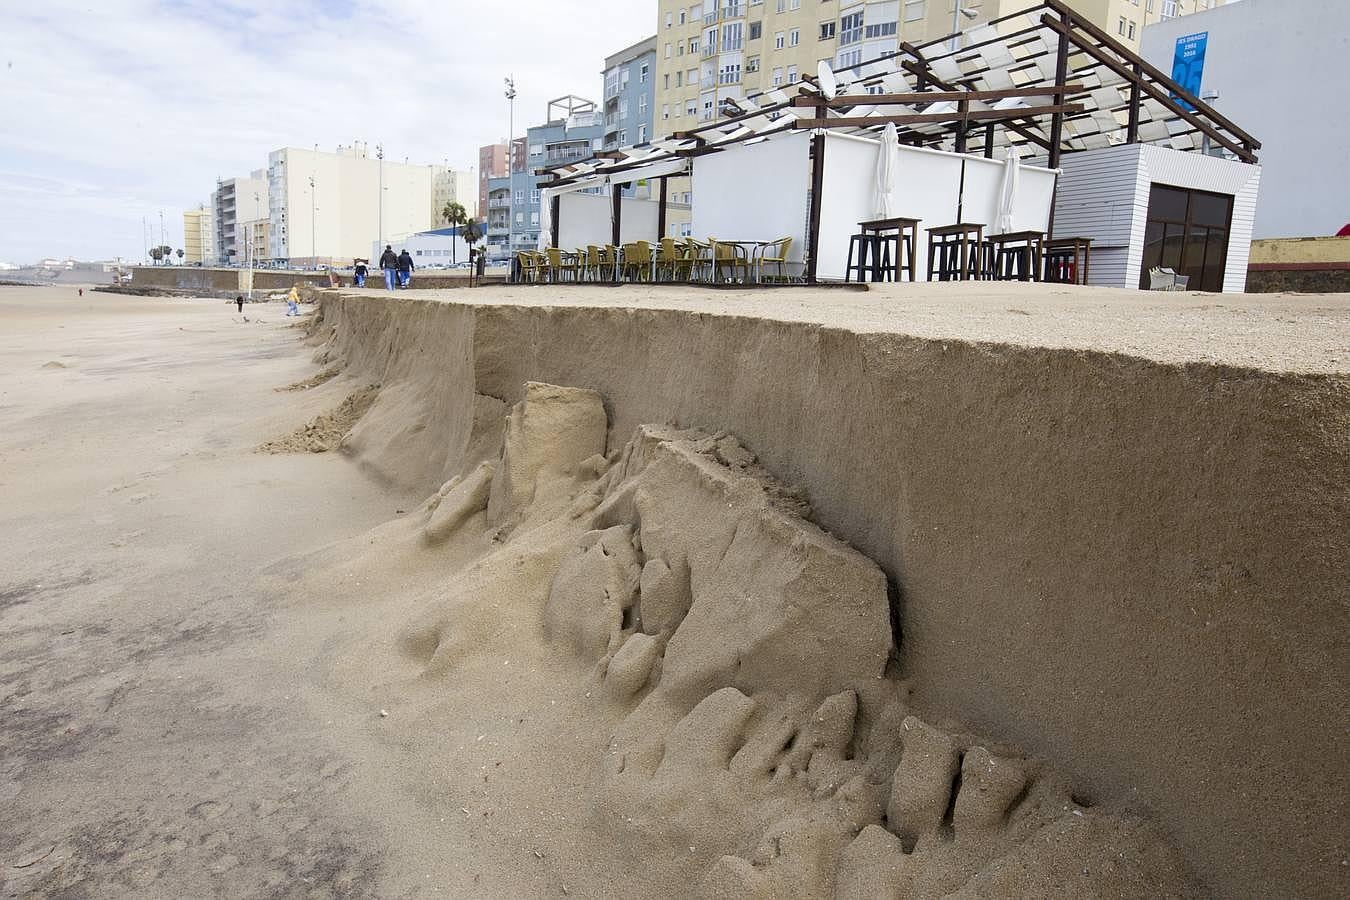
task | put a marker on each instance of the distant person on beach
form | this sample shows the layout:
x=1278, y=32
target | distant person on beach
x=389, y=262
x=240, y=300
x=293, y=302
x=360, y=277
x=405, y=267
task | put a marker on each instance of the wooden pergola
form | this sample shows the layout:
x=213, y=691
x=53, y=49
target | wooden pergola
x=1043, y=78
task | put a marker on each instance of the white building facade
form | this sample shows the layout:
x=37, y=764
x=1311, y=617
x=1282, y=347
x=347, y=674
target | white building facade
x=1257, y=54
x=328, y=208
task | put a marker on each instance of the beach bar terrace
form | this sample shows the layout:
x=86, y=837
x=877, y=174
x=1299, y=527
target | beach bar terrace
x=1038, y=148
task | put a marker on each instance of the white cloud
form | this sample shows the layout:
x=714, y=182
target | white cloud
x=122, y=109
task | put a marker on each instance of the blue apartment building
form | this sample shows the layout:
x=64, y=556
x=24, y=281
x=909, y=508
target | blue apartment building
x=630, y=95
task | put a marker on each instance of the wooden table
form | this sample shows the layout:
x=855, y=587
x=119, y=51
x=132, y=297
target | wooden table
x=965, y=238
x=1061, y=260
x=1028, y=247
x=901, y=225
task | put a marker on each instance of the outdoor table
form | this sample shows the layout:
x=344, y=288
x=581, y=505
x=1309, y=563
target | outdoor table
x=902, y=227
x=963, y=240
x=1018, y=251
x=754, y=249
x=1062, y=260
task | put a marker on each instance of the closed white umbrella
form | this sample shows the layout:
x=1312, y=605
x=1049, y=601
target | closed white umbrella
x=1007, y=200
x=888, y=161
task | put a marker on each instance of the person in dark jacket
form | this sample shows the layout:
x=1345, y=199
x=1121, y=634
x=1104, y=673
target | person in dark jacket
x=360, y=273
x=405, y=267
x=389, y=262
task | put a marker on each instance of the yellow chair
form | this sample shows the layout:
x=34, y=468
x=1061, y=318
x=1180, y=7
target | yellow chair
x=637, y=261
x=593, y=264
x=729, y=259
x=558, y=267
x=673, y=261
x=777, y=255
x=526, y=266
x=700, y=259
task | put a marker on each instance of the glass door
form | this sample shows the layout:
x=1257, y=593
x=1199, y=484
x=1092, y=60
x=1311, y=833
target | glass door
x=1187, y=231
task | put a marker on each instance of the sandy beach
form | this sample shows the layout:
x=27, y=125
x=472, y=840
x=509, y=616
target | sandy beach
x=586, y=595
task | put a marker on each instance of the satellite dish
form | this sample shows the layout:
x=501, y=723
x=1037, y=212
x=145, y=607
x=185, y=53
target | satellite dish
x=829, y=85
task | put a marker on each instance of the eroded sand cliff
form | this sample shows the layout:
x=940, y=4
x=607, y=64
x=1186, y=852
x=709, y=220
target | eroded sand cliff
x=1081, y=646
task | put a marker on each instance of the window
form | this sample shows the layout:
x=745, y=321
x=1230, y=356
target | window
x=520, y=196
x=791, y=74
x=752, y=64
x=1131, y=34
x=848, y=59
x=731, y=36
x=693, y=45
x=1121, y=27
x=710, y=42
x=665, y=85
x=642, y=106
x=885, y=29
x=730, y=74
x=691, y=77
x=1187, y=231
x=642, y=134
x=795, y=4
x=794, y=37
x=756, y=30
x=778, y=41
x=623, y=137
x=643, y=72
x=1169, y=9
x=826, y=30
x=536, y=149
x=520, y=218
x=534, y=196
x=679, y=79
x=665, y=110
x=534, y=218
x=691, y=107
x=777, y=77
x=669, y=49
x=782, y=5
x=850, y=29
x=915, y=10
x=681, y=17
x=623, y=107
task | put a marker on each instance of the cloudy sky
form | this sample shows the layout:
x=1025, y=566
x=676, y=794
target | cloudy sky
x=121, y=109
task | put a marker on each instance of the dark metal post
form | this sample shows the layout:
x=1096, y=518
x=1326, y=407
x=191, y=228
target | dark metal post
x=616, y=212
x=963, y=107
x=1132, y=132
x=989, y=141
x=817, y=183
x=661, y=212
x=555, y=202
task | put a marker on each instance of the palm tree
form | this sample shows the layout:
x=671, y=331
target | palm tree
x=156, y=254
x=454, y=215
x=179, y=251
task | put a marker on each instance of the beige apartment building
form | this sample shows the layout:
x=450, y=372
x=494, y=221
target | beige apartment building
x=717, y=50
x=327, y=208
x=199, y=237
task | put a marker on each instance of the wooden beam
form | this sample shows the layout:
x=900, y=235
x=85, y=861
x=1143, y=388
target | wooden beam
x=817, y=187
x=1132, y=129
x=1057, y=120
x=933, y=96
x=917, y=70
x=1243, y=153
x=979, y=115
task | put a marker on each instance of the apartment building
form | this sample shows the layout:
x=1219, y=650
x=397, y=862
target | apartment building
x=199, y=238
x=498, y=217
x=630, y=95
x=491, y=164
x=235, y=202
x=574, y=130
x=326, y=208
x=452, y=186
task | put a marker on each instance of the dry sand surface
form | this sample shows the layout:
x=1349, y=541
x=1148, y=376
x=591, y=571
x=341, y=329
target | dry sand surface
x=577, y=609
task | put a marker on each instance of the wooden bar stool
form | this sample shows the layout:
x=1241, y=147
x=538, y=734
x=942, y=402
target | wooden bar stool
x=956, y=252
x=902, y=234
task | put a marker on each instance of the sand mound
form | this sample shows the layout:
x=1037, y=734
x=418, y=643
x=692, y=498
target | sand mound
x=313, y=381
x=328, y=431
x=747, y=657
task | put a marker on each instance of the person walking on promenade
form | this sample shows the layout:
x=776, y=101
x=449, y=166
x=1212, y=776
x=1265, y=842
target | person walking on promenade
x=389, y=262
x=405, y=267
x=360, y=277
x=240, y=300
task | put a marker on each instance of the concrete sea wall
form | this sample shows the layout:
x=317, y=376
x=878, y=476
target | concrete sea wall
x=1137, y=570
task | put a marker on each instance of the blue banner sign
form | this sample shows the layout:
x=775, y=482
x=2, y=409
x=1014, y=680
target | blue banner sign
x=1188, y=65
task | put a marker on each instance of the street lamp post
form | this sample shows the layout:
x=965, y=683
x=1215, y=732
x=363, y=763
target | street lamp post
x=957, y=13
x=313, y=212
x=510, y=161
x=379, y=218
